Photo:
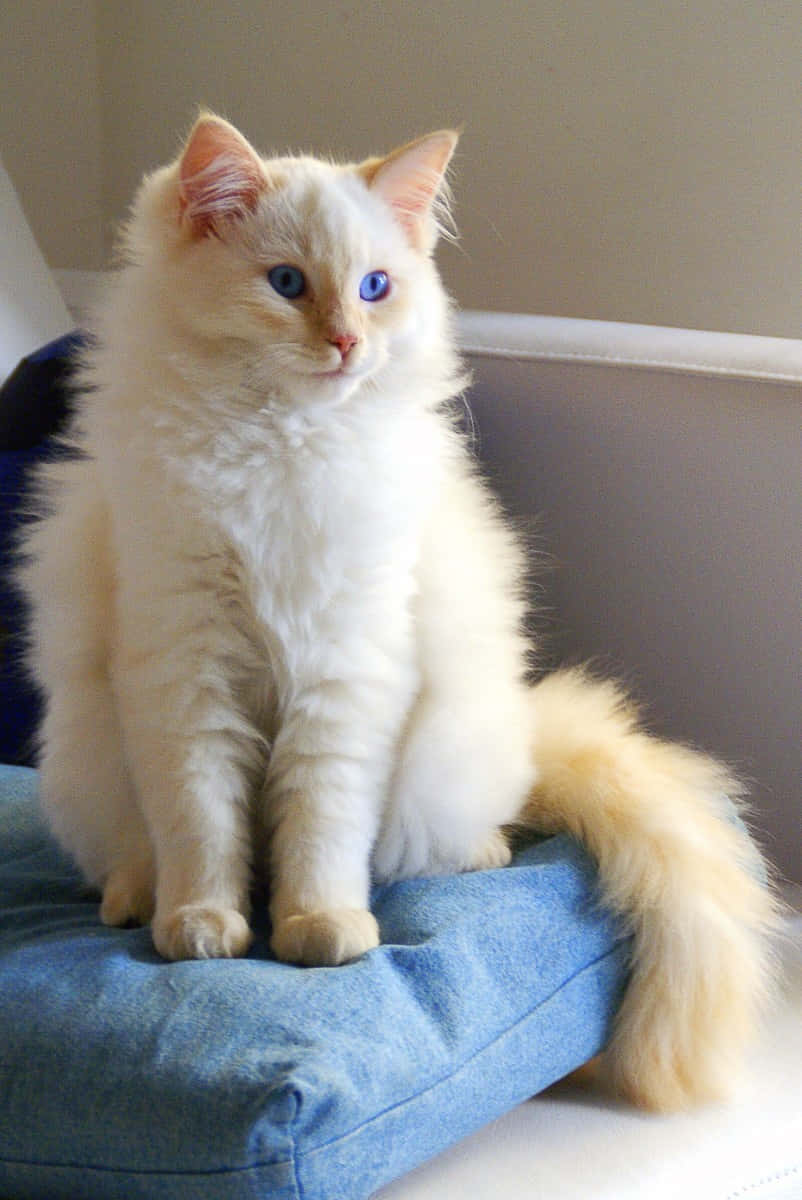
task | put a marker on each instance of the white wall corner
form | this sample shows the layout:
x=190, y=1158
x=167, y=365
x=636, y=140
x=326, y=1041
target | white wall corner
x=78, y=289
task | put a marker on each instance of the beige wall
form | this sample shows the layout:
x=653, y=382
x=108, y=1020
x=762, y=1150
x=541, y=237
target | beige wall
x=622, y=160
x=50, y=138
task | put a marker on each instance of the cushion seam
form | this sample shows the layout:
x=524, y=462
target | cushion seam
x=150, y=1172
x=776, y=1177
x=468, y=1060
x=294, y=1153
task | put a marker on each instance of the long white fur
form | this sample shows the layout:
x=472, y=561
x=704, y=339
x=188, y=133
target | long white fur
x=278, y=619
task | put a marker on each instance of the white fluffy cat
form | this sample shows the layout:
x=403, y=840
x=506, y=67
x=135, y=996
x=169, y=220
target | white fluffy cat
x=278, y=616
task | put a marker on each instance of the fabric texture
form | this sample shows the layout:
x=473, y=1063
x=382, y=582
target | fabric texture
x=34, y=406
x=19, y=705
x=122, y=1075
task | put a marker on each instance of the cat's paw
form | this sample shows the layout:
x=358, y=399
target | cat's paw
x=494, y=852
x=325, y=939
x=202, y=931
x=128, y=895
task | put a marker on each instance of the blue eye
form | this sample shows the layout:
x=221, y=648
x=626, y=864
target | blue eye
x=374, y=286
x=288, y=281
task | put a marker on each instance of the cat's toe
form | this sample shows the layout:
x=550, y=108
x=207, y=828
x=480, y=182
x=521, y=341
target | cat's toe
x=128, y=896
x=325, y=939
x=494, y=852
x=202, y=931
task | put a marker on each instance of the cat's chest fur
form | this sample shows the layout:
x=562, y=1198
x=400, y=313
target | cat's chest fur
x=323, y=502
x=302, y=528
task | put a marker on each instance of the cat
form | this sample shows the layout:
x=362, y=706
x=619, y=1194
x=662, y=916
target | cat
x=278, y=617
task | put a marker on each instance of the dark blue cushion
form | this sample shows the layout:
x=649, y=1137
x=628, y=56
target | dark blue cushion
x=35, y=398
x=122, y=1075
x=34, y=407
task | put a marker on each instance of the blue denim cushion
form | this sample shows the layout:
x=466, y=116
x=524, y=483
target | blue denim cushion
x=122, y=1075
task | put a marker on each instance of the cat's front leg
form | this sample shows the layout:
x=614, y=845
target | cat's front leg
x=198, y=823
x=189, y=752
x=319, y=856
x=327, y=779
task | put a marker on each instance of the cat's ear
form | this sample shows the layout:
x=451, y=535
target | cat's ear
x=220, y=176
x=412, y=180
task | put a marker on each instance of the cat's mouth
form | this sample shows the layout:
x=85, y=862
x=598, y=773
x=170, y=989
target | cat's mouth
x=338, y=373
x=344, y=371
x=351, y=369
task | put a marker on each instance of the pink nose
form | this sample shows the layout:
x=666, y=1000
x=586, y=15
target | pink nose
x=344, y=342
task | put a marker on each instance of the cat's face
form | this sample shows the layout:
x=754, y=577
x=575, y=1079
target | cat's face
x=333, y=278
x=320, y=274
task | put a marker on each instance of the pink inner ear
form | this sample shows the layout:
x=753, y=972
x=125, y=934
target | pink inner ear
x=220, y=176
x=410, y=180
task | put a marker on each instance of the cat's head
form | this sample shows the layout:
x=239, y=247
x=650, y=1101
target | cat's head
x=320, y=275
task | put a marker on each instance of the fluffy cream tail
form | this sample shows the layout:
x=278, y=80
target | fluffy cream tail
x=685, y=875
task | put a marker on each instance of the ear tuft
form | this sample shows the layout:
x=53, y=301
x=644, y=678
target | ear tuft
x=220, y=176
x=412, y=181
